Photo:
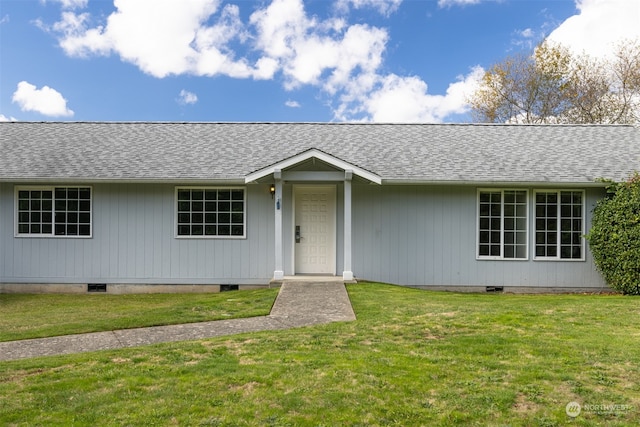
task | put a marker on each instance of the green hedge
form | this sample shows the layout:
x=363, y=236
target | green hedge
x=614, y=237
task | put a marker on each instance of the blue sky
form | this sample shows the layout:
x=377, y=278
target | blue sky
x=276, y=60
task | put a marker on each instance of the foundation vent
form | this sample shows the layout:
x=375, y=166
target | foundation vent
x=97, y=287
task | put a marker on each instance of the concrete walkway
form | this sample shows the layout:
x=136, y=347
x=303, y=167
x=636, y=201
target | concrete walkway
x=298, y=304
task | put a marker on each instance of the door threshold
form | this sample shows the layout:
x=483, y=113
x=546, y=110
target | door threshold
x=310, y=278
x=314, y=278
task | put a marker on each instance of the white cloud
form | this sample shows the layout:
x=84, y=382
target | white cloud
x=171, y=38
x=185, y=97
x=406, y=99
x=77, y=39
x=599, y=26
x=71, y=4
x=527, y=33
x=280, y=27
x=316, y=53
x=385, y=7
x=165, y=37
x=4, y=118
x=292, y=104
x=360, y=50
x=400, y=99
x=46, y=101
x=449, y=3
x=528, y=38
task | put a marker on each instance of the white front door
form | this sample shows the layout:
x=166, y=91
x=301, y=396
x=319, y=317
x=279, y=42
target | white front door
x=315, y=229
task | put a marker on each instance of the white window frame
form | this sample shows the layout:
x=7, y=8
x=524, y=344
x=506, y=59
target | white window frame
x=204, y=236
x=501, y=257
x=558, y=230
x=51, y=188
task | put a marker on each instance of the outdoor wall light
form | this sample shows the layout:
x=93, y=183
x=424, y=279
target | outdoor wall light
x=272, y=190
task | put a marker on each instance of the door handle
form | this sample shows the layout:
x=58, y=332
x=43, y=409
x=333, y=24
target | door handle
x=298, y=234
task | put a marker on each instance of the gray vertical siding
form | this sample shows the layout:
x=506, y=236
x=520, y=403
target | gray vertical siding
x=409, y=235
x=6, y=225
x=133, y=242
x=426, y=236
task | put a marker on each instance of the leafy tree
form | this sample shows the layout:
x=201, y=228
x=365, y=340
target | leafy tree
x=614, y=237
x=552, y=85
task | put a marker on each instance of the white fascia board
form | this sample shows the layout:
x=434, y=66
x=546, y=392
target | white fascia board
x=80, y=180
x=541, y=184
x=299, y=158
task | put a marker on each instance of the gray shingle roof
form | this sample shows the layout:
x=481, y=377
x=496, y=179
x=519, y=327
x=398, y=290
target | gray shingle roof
x=181, y=152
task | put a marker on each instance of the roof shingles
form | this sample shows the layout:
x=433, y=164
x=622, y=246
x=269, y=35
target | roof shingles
x=396, y=152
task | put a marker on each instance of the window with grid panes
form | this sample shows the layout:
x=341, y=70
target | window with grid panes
x=210, y=212
x=54, y=211
x=502, y=224
x=559, y=225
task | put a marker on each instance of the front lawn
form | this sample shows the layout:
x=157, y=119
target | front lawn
x=35, y=316
x=412, y=358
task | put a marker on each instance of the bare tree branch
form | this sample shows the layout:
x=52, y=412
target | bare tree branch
x=551, y=85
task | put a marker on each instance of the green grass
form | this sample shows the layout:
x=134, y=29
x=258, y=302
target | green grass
x=36, y=316
x=412, y=358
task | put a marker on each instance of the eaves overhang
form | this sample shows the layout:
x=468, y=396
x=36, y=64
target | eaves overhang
x=128, y=180
x=500, y=183
x=311, y=154
x=265, y=172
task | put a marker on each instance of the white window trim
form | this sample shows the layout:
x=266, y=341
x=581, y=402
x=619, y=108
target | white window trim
x=582, y=233
x=51, y=235
x=244, y=212
x=477, y=218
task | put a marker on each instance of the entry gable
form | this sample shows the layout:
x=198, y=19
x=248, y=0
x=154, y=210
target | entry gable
x=313, y=154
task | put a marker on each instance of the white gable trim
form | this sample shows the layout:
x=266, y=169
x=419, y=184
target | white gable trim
x=309, y=154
